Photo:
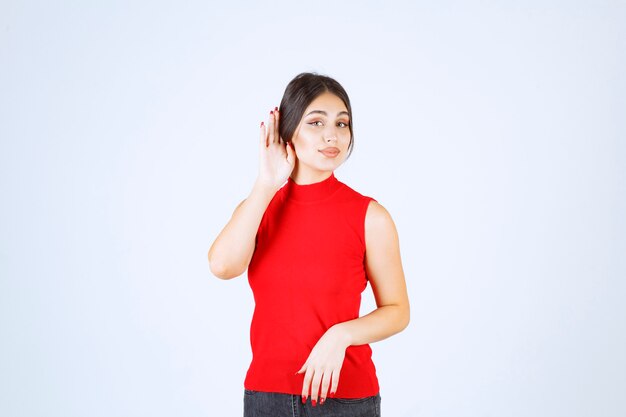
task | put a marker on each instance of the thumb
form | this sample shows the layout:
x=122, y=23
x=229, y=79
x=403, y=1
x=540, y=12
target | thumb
x=301, y=369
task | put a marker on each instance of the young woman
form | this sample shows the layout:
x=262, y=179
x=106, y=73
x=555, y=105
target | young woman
x=310, y=246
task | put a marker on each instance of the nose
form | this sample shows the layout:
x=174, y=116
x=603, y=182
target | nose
x=330, y=134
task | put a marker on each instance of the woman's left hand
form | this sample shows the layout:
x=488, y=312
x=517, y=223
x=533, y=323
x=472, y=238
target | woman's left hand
x=324, y=365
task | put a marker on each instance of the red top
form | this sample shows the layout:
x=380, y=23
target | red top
x=307, y=273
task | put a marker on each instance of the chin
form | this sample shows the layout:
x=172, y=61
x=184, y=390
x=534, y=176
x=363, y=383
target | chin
x=328, y=166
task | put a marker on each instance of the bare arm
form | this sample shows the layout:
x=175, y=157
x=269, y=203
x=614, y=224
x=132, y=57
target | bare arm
x=230, y=254
x=386, y=276
x=232, y=250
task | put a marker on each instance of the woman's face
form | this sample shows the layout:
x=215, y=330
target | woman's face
x=322, y=138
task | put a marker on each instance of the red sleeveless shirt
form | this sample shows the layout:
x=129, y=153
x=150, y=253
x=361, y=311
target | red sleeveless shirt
x=307, y=273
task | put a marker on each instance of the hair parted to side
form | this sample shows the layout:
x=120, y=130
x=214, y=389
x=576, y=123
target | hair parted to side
x=300, y=92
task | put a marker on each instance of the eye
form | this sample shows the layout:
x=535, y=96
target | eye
x=316, y=123
x=342, y=124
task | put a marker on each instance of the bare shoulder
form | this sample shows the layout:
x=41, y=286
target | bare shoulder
x=375, y=210
x=378, y=222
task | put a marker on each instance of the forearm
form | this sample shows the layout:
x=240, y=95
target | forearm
x=232, y=250
x=381, y=323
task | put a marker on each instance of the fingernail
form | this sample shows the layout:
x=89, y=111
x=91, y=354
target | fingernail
x=276, y=108
x=313, y=402
x=303, y=399
x=322, y=401
x=332, y=394
x=272, y=112
x=261, y=124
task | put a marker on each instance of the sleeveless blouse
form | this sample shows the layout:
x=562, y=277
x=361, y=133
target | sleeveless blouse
x=307, y=273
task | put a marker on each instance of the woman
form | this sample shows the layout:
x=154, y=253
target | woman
x=310, y=245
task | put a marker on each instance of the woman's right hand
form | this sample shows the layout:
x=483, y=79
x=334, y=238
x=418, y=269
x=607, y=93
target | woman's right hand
x=277, y=159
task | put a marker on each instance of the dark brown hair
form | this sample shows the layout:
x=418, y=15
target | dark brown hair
x=300, y=92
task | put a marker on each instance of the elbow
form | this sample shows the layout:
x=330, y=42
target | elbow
x=407, y=321
x=223, y=271
x=218, y=270
x=405, y=318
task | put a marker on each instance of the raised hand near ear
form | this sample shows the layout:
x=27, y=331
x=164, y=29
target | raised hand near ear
x=276, y=158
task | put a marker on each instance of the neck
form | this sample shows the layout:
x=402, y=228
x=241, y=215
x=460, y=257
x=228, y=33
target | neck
x=305, y=177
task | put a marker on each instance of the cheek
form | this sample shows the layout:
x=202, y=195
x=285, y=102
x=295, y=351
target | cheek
x=346, y=138
x=305, y=139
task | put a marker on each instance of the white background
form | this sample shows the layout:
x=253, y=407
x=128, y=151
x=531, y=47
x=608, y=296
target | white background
x=493, y=132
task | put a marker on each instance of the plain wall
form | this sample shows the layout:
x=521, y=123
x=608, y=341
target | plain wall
x=493, y=132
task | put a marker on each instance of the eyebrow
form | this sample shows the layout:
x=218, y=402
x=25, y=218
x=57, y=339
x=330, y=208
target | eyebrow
x=326, y=114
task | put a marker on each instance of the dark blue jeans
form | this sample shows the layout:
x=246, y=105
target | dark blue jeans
x=273, y=404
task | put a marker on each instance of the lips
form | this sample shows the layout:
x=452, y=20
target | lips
x=332, y=151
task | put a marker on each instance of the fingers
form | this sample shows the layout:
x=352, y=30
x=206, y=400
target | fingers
x=317, y=384
x=302, y=369
x=277, y=125
x=334, y=382
x=307, y=383
x=271, y=128
x=325, y=384
x=263, y=135
x=315, y=387
x=311, y=385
